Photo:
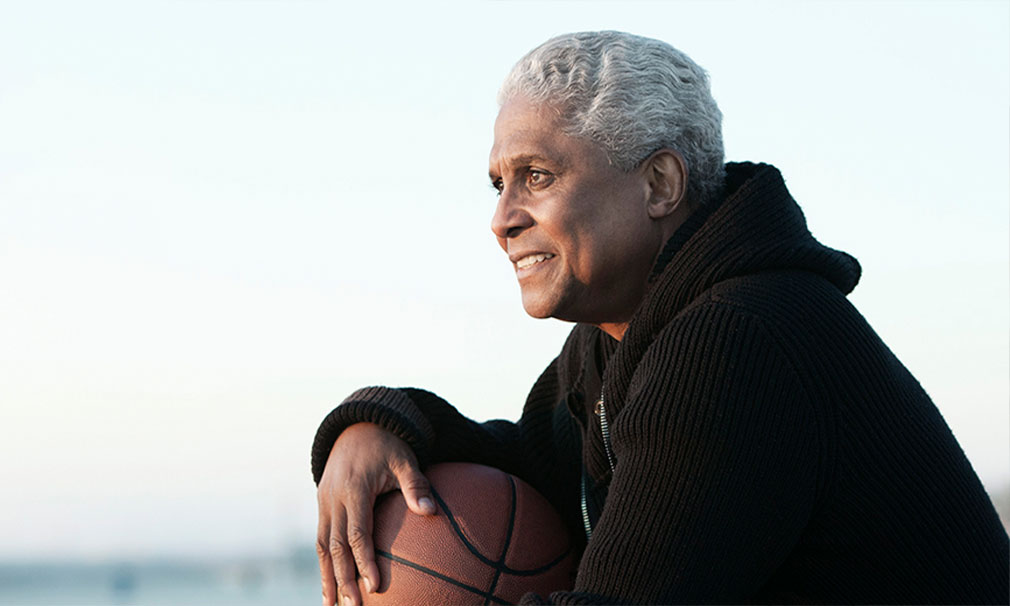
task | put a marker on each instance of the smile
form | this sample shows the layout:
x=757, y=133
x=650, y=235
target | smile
x=532, y=260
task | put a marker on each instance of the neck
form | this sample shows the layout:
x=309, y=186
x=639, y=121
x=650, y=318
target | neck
x=614, y=329
x=667, y=247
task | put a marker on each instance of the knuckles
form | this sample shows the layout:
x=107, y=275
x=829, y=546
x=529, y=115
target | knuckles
x=338, y=550
x=357, y=538
x=414, y=482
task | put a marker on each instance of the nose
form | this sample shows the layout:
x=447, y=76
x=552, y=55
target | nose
x=510, y=217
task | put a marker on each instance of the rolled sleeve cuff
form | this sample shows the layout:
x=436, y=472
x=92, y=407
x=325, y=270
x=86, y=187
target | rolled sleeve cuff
x=387, y=407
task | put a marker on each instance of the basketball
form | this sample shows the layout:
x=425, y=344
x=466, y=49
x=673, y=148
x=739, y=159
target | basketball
x=493, y=539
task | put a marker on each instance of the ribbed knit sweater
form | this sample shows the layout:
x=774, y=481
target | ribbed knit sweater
x=767, y=445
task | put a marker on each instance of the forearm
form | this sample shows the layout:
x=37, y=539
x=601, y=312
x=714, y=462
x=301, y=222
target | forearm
x=386, y=407
x=434, y=429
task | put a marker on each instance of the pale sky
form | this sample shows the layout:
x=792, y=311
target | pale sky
x=218, y=218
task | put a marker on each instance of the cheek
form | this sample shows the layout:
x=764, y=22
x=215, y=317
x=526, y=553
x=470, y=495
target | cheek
x=620, y=246
x=596, y=227
x=592, y=248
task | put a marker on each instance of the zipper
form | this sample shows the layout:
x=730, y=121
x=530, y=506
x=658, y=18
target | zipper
x=601, y=411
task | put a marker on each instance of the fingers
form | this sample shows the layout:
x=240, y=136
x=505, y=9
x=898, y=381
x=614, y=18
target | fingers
x=365, y=461
x=326, y=563
x=359, y=539
x=415, y=488
x=343, y=562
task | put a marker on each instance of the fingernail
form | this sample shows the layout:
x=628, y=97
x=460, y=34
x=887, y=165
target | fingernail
x=425, y=503
x=368, y=585
x=348, y=601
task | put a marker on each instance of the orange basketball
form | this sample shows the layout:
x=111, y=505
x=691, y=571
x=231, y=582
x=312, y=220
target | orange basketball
x=493, y=539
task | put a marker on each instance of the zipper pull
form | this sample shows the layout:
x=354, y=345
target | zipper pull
x=601, y=411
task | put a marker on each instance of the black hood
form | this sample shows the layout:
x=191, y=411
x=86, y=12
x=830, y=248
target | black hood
x=756, y=227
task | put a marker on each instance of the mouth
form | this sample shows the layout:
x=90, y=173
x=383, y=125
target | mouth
x=531, y=260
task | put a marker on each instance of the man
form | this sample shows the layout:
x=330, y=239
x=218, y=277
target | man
x=721, y=425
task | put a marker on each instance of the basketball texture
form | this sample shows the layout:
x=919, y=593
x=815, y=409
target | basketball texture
x=493, y=539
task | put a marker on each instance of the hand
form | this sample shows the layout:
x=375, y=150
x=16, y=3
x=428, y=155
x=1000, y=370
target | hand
x=365, y=462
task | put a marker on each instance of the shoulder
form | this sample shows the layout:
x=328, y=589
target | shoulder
x=743, y=341
x=762, y=302
x=802, y=313
x=733, y=328
x=774, y=293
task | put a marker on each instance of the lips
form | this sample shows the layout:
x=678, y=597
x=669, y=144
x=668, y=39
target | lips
x=530, y=260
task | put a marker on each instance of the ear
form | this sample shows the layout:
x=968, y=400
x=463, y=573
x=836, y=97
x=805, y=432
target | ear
x=667, y=174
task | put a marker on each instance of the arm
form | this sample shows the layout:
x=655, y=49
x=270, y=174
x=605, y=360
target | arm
x=367, y=446
x=717, y=455
x=373, y=443
x=412, y=415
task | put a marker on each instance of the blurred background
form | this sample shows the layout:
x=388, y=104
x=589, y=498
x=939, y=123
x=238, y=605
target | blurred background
x=217, y=218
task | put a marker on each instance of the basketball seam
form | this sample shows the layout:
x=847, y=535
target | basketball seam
x=499, y=567
x=508, y=538
x=480, y=556
x=439, y=575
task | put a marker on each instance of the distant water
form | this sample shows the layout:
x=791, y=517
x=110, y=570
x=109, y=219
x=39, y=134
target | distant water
x=273, y=582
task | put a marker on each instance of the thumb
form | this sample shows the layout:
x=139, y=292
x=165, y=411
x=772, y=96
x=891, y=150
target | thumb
x=416, y=489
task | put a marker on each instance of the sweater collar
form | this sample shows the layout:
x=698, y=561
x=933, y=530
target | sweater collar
x=756, y=227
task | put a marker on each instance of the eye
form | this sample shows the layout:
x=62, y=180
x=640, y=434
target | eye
x=537, y=179
x=497, y=185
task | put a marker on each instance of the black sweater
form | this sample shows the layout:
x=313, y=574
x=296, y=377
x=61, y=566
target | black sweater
x=767, y=445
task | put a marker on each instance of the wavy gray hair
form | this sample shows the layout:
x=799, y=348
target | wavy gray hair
x=631, y=95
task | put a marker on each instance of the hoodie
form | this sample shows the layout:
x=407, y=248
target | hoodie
x=756, y=442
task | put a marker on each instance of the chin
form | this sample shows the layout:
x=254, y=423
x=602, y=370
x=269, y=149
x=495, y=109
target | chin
x=538, y=307
x=534, y=311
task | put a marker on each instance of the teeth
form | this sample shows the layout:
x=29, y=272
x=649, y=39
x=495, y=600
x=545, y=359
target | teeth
x=532, y=259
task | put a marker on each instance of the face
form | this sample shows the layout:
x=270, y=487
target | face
x=576, y=229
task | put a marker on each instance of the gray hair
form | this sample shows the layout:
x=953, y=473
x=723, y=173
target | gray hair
x=631, y=95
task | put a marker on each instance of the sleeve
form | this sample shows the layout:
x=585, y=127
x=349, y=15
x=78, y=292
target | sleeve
x=436, y=431
x=390, y=408
x=716, y=450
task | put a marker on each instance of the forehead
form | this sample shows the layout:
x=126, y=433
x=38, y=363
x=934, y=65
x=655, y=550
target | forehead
x=520, y=114
x=527, y=131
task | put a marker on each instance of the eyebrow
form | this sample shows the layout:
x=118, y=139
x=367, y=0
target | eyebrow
x=526, y=160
